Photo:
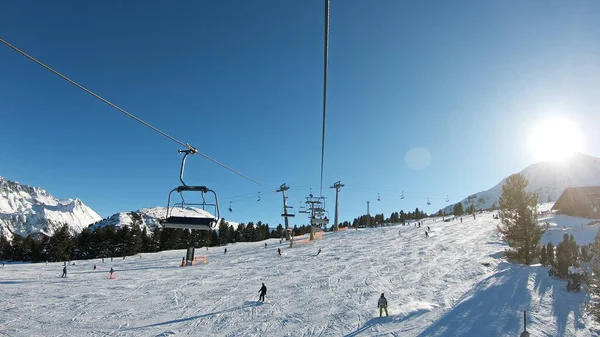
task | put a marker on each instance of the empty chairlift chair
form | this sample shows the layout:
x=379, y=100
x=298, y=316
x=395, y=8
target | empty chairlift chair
x=176, y=218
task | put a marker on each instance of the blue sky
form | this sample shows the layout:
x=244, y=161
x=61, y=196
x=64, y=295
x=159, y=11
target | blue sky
x=242, y=81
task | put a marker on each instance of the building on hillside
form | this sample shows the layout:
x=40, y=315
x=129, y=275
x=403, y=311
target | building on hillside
x=579, y=201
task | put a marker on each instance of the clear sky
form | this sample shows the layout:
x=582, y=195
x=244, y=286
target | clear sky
x=462, y=83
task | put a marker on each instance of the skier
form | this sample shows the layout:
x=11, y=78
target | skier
x=225, y=251
x=426, y=234
x=263, y=292
x=111, y=273
x=102, y=260
x=319, y=252
x=428, y=229
x=460, y=220
x=265, y=245
x=279, y=251
x=183, y=261
x=382, y=305
x=94, y=267
x=64, y=274
x=123, y=257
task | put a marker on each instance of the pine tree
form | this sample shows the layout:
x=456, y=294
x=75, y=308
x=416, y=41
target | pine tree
x=550, y=254
x=543, y=256
x=585, y=253
x=458, y=209
x=564, y=256
x=224, y=235
x=574, y=251
x=60, y=244
x=520, y=226
x=593, y=280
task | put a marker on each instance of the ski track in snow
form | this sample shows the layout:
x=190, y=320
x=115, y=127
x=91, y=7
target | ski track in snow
x=435, y=286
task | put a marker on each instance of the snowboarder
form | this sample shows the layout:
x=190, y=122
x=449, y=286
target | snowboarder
x=279, y=251
x=382, y=305
x=64, y=274
x=263, y=292
x=225, y=251
x=319, y=252
x=94, y=267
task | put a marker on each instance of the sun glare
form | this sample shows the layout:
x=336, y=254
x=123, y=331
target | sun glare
x=554, y=139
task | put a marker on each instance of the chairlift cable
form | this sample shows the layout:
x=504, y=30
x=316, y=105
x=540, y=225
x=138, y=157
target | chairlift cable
x=186, y=145
x=326, y=59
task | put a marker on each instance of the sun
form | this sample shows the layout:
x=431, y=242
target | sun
x=554, y=139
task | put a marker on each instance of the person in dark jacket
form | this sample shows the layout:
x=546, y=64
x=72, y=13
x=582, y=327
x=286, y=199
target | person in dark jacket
x=263, y=292
x=382, y=305
x=64, y=274
x=279, y=251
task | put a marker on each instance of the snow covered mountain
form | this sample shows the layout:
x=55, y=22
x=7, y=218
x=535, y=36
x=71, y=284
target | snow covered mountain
x=27, y=210
x=547, y=179
x=149, y=217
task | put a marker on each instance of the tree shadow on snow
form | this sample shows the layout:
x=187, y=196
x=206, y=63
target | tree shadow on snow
x=493, y=308
x=563, y=303
x=247, y=304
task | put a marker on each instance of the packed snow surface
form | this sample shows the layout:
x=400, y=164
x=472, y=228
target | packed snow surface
x=454, y=283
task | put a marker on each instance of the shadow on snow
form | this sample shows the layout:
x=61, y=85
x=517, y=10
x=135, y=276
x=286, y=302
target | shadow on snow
x=247, y=304
x=495, y=306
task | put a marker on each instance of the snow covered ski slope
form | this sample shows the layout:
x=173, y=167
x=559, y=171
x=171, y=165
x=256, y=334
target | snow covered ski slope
x=436, y=286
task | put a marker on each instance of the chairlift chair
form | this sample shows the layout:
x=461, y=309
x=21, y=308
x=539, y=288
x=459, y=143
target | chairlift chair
x=428, y=202
x=289, y=213
x=191, y=222
x=402, y=195
x=378, y=198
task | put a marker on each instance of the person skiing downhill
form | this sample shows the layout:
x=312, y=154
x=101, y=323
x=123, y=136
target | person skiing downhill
x=64, y=274
x=265, y=245
x=382, y=305
x=279, y=251
x=94, y=267
x=225, y=251
x=111, y=273
x=263, y=292
x=319, y=252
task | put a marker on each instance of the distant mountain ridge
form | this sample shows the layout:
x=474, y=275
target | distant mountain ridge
x=28, y=210
x=547, y=179
x=149, y=217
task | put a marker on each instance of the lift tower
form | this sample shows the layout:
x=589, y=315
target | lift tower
x=337, y=185
x=285, y=214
